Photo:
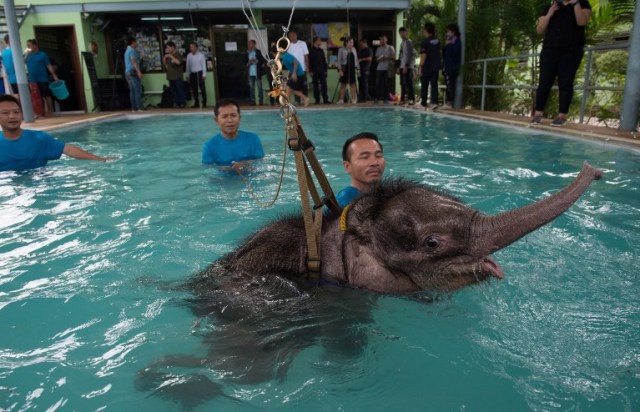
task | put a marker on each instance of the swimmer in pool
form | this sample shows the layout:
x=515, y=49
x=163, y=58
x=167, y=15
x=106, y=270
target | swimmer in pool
x=231, y=149
x=363, y=159
x=22, y=149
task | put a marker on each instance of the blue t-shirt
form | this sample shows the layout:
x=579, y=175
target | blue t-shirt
x=287, y=60
x=37, y=63
x=222, y=152
x=128, y=54
x=7, y=62
x=347, y=195
x=32, y=149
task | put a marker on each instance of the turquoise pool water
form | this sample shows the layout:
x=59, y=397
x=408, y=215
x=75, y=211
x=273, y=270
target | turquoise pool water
x=85, y=249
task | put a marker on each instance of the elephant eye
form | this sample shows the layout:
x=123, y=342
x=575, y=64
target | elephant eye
x=432, y=242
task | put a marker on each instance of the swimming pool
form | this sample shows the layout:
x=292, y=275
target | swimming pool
x=85, y=249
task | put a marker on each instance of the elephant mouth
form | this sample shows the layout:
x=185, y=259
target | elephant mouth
x=491, y=267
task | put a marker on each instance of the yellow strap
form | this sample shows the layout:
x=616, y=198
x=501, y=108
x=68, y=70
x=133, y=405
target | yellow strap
x=313, y=246
x=343, y=218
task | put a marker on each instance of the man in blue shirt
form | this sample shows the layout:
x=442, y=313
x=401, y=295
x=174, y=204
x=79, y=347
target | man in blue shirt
x=295, y=84
x=39, y=67
x=27, y=149
x=363, y=159
x=231, y=149
x=133, y=74
x=9, y=69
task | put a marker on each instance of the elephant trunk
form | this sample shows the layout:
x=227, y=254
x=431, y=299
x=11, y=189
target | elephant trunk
x=505, y=228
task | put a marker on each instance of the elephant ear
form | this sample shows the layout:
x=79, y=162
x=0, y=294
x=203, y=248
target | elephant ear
x=365, y=211
x=363, y=270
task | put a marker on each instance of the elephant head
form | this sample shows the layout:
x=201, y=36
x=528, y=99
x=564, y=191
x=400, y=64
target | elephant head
x=404, y=237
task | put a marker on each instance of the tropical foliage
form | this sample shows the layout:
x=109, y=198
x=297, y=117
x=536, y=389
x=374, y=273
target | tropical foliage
x=507, y=28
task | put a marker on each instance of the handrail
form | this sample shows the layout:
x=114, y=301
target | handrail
x=585, y=85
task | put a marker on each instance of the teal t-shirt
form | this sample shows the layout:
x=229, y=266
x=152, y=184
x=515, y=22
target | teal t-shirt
x=223, y=152
x=7, y=62
x=32, y=149
x=37, y=66
x=347, y=195
x=128, y=65
x=288, y=59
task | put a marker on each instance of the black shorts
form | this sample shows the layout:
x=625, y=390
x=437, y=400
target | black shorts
x=297, y=85
x=43, y=87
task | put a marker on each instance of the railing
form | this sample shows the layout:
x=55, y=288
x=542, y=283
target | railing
x=586, y=88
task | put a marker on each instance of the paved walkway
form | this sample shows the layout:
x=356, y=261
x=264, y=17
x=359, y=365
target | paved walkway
x=605, y=134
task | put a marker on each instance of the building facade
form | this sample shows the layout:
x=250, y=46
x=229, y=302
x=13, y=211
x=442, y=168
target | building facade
x=87, y=40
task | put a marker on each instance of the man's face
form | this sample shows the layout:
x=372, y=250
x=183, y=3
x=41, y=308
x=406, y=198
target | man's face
x=252, y=45
x=293, y=36
x=366, y=163
x=318, y=42
x=10, y=116
x=403, y=35
x=193, y=48
x=383, y=40
x=228, y=120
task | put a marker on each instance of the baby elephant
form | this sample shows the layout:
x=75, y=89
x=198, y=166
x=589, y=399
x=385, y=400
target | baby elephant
x=403, y=237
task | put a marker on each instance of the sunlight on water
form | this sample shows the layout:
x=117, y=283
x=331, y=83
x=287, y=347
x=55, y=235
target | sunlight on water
x=92, y=256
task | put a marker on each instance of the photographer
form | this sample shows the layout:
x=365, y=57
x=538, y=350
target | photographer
x=563, y=25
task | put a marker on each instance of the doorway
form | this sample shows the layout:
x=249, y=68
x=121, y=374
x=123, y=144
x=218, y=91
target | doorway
x=60, y=44
x=230, y=51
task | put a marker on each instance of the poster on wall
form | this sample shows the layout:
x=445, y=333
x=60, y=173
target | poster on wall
x=336, y=31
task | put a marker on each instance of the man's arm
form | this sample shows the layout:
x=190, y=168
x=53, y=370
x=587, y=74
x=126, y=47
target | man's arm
x=53, y=72
x=136, y=66
x=582, y=15
x=78, y=153
x=188, y=67
x=423, y=58
x=203, y=61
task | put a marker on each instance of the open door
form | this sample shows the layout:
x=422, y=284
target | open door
x=61, y=45
x=230, y=51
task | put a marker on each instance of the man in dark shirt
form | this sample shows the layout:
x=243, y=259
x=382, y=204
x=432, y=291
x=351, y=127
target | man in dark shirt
x=365, y=56
x=430, y=64
x=318, y=68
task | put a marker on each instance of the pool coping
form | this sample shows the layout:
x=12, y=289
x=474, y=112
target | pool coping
x=586, y=132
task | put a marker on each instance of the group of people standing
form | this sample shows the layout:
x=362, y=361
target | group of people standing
x=355, y=65
x=195, y=67
x=40, y=71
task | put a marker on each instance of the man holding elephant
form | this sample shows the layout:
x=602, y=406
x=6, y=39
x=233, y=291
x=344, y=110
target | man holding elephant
x=363, y=159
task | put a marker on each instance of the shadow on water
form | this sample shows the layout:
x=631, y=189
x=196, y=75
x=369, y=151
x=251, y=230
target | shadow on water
x=253, y=328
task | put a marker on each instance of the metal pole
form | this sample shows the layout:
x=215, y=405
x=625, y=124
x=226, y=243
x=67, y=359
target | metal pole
x=484, y=84
x=631, y=99
x=462, y=23
x=18, y=63
x=585, y=86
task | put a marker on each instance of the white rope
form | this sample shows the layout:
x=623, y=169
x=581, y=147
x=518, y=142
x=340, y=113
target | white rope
x=253, y=23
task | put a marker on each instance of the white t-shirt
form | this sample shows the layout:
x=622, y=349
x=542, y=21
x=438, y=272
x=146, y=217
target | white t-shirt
x=299, y=50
